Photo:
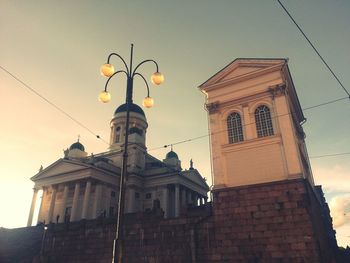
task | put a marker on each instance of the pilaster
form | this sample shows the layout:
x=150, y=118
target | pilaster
x=73, y=215
x=84, y=213
x=166, y=202
x=52, y=204
x=63, y=205
x=97, y=201
x=177, y=200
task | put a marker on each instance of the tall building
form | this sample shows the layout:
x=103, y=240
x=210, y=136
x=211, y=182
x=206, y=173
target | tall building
x=79, y=186
x=255, y=122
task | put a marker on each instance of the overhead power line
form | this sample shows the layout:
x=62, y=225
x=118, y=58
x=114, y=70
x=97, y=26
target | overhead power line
x=53, y=105
x=328, y=155
x=324, y=103
x=167, y=145
x=246, y=124
x=315, y=49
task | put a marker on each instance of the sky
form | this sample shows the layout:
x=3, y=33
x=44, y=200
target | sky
x=57, y=47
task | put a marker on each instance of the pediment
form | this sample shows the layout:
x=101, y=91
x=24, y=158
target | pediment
x=194, y=176
x=61, y=166
x=240, y=71
x=241, y=68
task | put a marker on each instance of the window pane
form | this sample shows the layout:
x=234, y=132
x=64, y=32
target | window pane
x=117, y=134
x=263, y=121
x=234, y=128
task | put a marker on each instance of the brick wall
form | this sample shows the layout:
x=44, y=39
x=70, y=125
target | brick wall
x=274, y=222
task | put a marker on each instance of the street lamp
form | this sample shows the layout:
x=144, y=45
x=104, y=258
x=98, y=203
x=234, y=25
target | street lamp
x=157, y=78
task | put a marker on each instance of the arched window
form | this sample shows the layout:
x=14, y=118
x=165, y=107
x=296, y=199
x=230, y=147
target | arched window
x=117, y=134
x=263, y=121
x=234, y=128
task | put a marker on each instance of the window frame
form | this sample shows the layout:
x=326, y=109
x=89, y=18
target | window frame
x=263, y=121
x=235, y=131
x=117, y=134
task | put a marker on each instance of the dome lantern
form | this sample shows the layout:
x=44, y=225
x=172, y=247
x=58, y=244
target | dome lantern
x=76, y=150
x=171, y=154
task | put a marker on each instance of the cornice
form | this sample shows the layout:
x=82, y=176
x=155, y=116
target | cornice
x=253, y=143
x=243, y=77
x=244, y=100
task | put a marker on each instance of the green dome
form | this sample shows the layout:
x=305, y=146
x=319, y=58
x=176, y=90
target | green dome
x=171, y=154
x=77, y=145
x=133, y=108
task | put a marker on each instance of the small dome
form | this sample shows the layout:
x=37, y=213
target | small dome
x=171, y=154
x=77, y=145
x=133, y=108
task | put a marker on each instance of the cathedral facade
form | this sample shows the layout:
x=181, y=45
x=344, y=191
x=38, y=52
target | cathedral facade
x=79, y=186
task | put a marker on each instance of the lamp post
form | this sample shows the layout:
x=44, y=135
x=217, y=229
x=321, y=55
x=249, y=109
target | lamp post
x=157, y=78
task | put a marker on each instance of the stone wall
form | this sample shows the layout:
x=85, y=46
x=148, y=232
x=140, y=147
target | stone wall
x=149, y=238
x=20, y=245
x=272, y=222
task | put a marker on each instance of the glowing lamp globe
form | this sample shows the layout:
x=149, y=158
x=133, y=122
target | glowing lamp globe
x=148, y=102
x=157, y=78
x=104, y=96
x=107, y=70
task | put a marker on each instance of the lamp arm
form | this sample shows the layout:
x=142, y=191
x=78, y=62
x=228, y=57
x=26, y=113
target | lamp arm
x=115, y=73
x=143, y=62
x=115, y=54
x=138, y=74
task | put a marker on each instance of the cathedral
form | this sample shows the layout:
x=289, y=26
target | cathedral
x=265, y=206
x=79, y=186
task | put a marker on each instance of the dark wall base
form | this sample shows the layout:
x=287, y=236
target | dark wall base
x=274, y=222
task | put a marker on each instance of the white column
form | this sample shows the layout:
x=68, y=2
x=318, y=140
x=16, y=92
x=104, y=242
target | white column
x=189, y=197
x=73, y=215
x=201, y=200
x=86, y=200
x=52, y=204
x=166, y=202
x=107, y=200
x=63, y=205
x=183, y=198
x=177, y=200
x=32, y=207
x=192, y=198
x=97, y=202
x=195, y=199
x=131, y=201
x=41, y=218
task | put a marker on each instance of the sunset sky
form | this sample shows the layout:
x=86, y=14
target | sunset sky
x=57, y=47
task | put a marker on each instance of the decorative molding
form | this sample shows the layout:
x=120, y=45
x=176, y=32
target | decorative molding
x=247, y=100
x=266, y=67
x=253, y=143
x=212, y=107
x=278, y=90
